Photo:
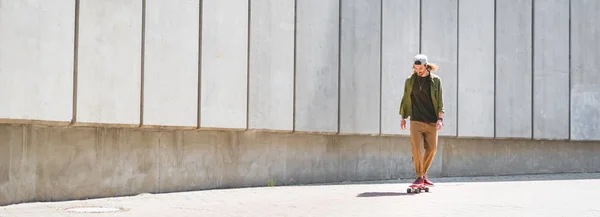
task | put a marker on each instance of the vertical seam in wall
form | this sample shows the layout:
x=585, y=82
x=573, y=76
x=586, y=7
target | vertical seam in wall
x=380, y=61
x=339, y=114
x=570, y=70
x=24, y=142
x=10, y=149
x=294, y=65
x=34, y=157
x=495, y=81
x=75, y=62
x=457, y=61
x=532, y=67
x=199, y=96
x=142, y=62
x=420, y=25
x=158, y=163
x=248, y=65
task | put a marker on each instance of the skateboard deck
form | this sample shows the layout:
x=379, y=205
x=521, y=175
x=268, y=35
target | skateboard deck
x=417, y=188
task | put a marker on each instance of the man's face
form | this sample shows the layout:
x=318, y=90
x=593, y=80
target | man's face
x=420, y=70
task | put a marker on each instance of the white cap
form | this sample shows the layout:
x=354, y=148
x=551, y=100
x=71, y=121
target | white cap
x=420, y=59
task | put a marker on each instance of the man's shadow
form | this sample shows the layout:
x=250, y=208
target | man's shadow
x=384, y=194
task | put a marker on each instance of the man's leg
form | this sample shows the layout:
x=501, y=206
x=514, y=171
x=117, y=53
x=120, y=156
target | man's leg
x=431, y=141
x=416, y=141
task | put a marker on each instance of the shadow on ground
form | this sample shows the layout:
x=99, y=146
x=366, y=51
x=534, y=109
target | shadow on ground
x=383, y=194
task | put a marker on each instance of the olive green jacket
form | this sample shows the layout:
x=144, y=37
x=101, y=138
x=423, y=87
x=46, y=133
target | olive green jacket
x=436, y=95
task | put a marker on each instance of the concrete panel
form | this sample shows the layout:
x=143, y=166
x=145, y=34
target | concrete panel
x=476, y=68
x=187, y=163
x=475, y=157
x=402, y=161
x=439, y=43
x=109, y=62
x=356, y=151
x=551, y=69
x=230, y=159
x=400, y=43
x=171, y=63
x=585, y=79
x=54, y=163
x=317, y=49
x=360, y=62
x=224, y=73
x=514, y=69
x=312, y=159
x=17, y=165
x=94, y=162
x=246, y=165
x=271, y=85
x=36, y=59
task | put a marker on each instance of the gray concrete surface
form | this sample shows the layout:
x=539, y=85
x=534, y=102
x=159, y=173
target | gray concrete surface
x=551, y=70
x=360, y=66
x=171, y=63
x=438, y=42
x=476, y=68
x=538, y=195
x=36, y=68
x=36, y=60
x=271, y=86
x=585, y=79
x=400, y=37
x=56, y=163
x=224, y=67
x=109, y=57
x=317, y=70
x=513, y=69
x=513, y=156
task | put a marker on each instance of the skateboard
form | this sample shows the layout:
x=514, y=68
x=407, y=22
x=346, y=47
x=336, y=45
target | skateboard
x=417, y=188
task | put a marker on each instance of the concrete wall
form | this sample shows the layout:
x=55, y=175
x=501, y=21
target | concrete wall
x=316, y=91
x=516, y=73
x=36, y=60
x=551, y=72
x=224, y=64
x=476, y=89
x=360, y=61
x=271, y=84
x=57, y=163
x=585, y=79
x=334, y=66
x=514, y=69
x=108, y=62
x=171, y=41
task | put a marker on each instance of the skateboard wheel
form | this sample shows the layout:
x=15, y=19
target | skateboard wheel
x=408, y=191
x=426, y=189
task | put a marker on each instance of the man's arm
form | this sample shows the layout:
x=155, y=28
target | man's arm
x=440, y=100
x=440, y=104
x=402, y=110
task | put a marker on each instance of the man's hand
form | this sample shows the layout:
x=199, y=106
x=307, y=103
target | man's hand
x=439, y=124
x=403, y=124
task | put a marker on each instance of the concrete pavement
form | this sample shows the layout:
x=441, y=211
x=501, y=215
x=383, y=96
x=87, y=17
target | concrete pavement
x=536, y=195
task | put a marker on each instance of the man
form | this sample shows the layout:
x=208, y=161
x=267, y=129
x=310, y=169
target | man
x=423, y=102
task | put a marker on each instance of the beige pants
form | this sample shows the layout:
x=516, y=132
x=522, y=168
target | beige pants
x=420, y=133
